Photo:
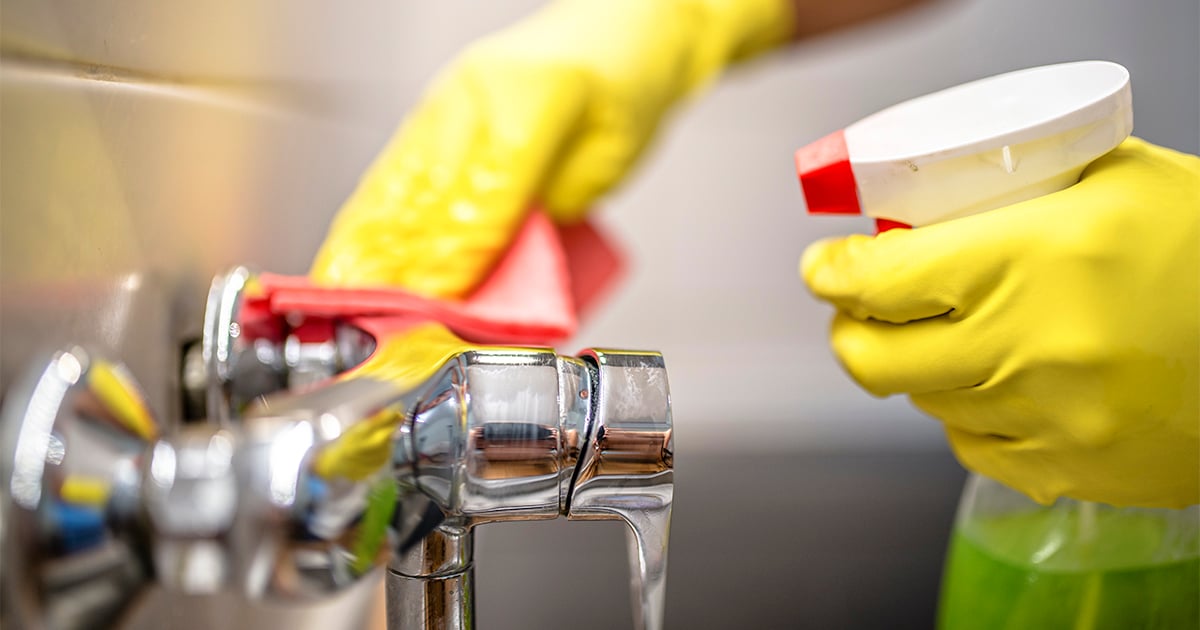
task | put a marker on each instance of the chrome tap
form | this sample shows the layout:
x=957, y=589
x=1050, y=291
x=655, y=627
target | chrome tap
x=300, y=494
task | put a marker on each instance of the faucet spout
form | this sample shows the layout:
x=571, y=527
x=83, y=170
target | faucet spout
x=502, y=434
x=328, y=457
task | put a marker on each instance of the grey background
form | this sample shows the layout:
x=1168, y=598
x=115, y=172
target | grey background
x=145, y=146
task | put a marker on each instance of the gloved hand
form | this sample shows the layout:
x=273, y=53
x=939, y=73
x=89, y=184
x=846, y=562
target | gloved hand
x=1057, y=339
x=554, y=110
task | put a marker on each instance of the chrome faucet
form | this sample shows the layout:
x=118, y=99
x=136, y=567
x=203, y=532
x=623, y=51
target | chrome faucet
x=301, y=494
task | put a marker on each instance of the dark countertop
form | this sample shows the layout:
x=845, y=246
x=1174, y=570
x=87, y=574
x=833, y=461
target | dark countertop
x=798, y=540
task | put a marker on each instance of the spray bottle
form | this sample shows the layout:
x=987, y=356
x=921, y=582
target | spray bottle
x=1013, y=563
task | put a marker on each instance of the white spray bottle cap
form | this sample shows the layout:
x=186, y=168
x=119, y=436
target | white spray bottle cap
x=970, y=148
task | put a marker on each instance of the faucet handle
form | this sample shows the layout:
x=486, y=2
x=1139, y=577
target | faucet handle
x=248, y=351
x=626, y=471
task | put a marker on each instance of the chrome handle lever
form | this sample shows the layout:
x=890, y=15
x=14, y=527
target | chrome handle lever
x=627, y=472
x=302, y=498
x=298, y=494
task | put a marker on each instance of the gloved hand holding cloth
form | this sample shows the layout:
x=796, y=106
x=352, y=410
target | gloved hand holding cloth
x=554, y=111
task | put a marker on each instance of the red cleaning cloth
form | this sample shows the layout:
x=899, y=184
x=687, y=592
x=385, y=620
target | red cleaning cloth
x=535, y=295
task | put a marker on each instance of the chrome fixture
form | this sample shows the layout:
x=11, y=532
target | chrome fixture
x=299, y=494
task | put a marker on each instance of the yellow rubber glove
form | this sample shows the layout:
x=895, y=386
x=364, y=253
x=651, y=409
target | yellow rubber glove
x=554, y=110
x=1057, y=339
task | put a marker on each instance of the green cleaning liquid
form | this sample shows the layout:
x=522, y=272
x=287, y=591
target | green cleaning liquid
x=1071, y=569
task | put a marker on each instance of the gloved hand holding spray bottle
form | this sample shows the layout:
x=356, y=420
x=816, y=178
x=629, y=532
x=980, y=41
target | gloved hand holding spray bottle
x=1055, y=337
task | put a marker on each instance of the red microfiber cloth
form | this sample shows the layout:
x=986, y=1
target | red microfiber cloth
x=535, y=295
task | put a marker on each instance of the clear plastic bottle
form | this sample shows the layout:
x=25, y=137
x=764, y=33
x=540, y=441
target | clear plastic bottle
x=1014, y=563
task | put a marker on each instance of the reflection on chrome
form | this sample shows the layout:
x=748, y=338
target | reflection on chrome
x=162, y=465
x=286, y=452
x=299, y=495
x=73, y=437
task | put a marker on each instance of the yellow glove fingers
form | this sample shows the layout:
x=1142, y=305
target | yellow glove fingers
x=554, y=109
x=1056, y=339
x=929, y=355
x=389, y=229
x=443, y=200
x=497, y=179
x=1163, y=476
x=907, y=275
x=1137, y=159
x=533, y=115
x=997, y=457
x=1087, y=440
x=991, y=409
x=899, y=276
x=590, y=168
